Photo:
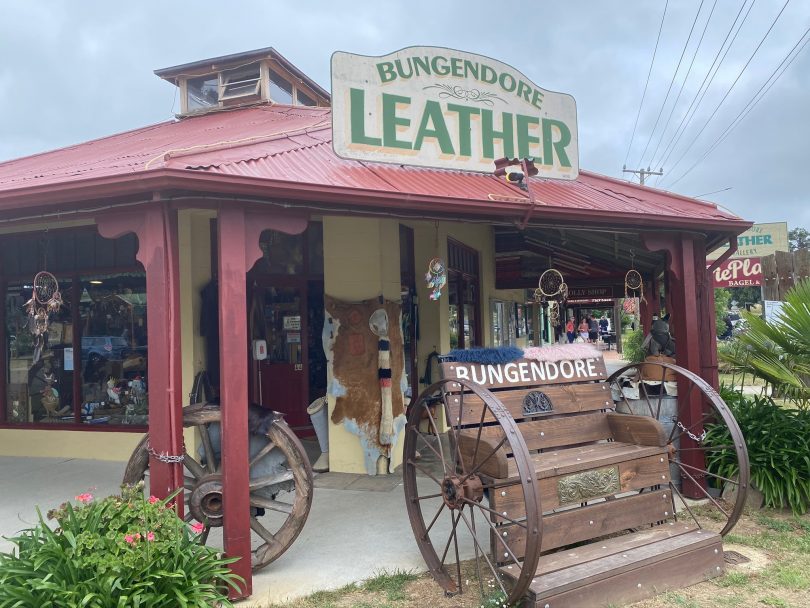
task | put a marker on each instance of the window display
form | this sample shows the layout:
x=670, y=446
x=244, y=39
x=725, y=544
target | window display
x=77, y=356
x=112, y=316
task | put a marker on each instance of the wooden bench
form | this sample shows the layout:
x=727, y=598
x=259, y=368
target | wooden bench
x=544, y=435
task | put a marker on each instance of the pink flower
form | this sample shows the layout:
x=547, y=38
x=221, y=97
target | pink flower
x=129, y=538
x=153, y=500
x=138, y=535
x=85, y=497
x=197, y=527
x=150, y=536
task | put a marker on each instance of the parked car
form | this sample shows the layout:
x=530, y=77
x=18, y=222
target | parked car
x=96, y=348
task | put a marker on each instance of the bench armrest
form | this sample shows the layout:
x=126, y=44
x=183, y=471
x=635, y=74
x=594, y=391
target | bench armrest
x=640, y=430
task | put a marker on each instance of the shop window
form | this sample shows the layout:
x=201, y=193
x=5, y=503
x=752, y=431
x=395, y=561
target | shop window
x=39, y=374
x=113, y=349
x=282, y=253
x=281, y=90
x=463, y=295
x=90, y=368
x=302, y=99
x=292, y=254
x=202, y=93
x=241, y=82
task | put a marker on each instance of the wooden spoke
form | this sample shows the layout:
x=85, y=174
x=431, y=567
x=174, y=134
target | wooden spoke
x=203, y=537
x=211, y=464
x=451, y=537
x=263, y=532
x=424, y=471
x=271, y=480
x=292, y=513
x=272, y=505
x=705, y=472
x=262, y=453
x=194, y=467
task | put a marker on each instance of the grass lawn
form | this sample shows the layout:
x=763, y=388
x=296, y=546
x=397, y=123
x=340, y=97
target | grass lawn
x=778, y=576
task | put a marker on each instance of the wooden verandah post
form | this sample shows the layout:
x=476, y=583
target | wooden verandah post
x=155, y=225
x=238, y=249
x=694, y=330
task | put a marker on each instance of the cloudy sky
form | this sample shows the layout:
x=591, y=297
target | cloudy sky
x=73, y=71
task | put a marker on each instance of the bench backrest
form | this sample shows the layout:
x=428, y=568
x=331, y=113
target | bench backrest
x=563, y=407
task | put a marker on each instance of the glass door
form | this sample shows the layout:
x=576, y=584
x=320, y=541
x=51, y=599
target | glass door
x=283, y=375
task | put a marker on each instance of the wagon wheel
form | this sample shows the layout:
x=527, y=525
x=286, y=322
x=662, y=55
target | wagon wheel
x=275, y=521
x=713, y=444
x=447, y=496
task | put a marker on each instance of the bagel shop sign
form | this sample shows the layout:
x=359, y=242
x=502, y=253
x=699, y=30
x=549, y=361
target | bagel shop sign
x=442, y=108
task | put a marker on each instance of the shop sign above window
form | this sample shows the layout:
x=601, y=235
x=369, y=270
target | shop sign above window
x=438, y=107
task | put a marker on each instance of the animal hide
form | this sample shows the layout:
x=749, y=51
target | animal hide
x=355, y=366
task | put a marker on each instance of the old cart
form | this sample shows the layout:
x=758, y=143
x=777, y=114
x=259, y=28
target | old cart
x=558, y=486
x=280, y=479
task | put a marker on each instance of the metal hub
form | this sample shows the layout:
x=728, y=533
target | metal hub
x=205, y=503
x=455, y=491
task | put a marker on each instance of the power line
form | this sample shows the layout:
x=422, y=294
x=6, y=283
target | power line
x=644, y=94
x=712, y=192
x=683, y=84
x=702, y=130
x=687, y=118
x=757, y=97
x=669, y=90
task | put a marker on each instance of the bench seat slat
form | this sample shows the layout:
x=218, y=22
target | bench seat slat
x=592, y=521
x=633, y=474
x=567, y=399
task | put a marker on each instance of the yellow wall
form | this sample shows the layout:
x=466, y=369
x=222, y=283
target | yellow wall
x=361, y=261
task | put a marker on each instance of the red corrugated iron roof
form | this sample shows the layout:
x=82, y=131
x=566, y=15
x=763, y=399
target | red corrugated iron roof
x=293, y=144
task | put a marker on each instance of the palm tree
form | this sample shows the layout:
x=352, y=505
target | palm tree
x=779, y=352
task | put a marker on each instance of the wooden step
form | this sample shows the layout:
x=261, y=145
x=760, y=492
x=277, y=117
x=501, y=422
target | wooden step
x=626, y=568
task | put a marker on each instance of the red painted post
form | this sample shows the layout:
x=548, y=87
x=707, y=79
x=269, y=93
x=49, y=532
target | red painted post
x=682, y=280
x=687, y=326
x=233, y=340
x=156, y=228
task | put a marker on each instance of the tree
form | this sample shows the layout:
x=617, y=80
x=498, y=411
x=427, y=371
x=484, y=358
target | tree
x=722, y=298
x=745, y=295
x=798, y=238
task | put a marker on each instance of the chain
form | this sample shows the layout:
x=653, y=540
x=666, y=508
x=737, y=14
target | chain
x=165, y=457
x=692, y=435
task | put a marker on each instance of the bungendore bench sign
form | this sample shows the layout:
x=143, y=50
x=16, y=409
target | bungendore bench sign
x=442, y=108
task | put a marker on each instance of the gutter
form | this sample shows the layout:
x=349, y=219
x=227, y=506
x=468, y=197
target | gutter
x=80, y=192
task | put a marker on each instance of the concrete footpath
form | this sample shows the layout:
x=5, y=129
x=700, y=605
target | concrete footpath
x=357, y=527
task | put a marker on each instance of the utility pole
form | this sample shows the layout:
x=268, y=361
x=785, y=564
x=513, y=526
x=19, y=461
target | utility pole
x=642, y=173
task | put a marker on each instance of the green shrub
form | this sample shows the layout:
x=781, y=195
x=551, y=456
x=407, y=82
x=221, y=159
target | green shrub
x=122, y=551
x=778, y=441
x=632, y=349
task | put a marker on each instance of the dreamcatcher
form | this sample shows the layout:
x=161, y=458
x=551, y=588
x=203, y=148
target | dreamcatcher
x=551, y=285
x=554, y=313
x=45, y=300
x=633, y=282
x=436, y=277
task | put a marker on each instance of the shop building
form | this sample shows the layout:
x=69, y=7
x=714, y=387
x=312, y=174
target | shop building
x=179, y=245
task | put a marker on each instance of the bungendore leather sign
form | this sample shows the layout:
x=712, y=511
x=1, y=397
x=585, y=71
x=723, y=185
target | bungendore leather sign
x=438, y=107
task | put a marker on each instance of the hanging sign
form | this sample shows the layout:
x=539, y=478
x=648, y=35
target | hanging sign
x=758, y=241
x=734, y=272
x=438, y=107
